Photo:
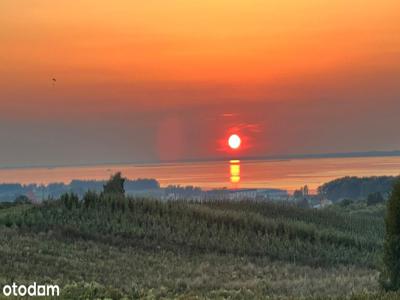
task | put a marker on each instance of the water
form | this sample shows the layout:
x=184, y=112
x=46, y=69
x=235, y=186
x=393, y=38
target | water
x=285, y=174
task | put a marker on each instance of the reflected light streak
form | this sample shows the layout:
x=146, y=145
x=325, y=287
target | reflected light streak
x=234, y=166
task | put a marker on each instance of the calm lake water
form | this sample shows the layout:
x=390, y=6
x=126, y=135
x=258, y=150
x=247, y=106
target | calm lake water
x=285, y=174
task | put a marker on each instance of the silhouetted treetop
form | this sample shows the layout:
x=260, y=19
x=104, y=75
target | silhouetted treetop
x=115, y=185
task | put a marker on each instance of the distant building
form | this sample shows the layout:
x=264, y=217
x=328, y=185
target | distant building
x=258, y=194
x=324, y=202
x=242, y=194
x=272, y=194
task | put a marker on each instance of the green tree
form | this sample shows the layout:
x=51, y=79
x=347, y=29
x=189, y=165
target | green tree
x=374, y=199
x=391, y=274
x=346, y=202
x=90, y=199
x=115, y=185
x=22, y=199
x=303, y=203
x=70, y=200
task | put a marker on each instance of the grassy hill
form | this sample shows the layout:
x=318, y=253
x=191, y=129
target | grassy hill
x=115, y=247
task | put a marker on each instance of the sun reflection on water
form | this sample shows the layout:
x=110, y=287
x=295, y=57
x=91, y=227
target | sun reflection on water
x=234, y=166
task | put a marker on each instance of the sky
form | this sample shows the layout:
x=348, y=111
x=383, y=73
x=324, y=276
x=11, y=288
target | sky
x=156, y=80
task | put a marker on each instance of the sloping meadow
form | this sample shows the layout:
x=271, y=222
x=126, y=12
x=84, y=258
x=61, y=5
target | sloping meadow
x=279, y=232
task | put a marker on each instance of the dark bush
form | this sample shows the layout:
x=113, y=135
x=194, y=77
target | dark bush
x=115, y=185
x=70, y=200
x=374, y=199
x=391, y=273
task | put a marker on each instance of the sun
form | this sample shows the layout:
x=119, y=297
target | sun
x=234, y=141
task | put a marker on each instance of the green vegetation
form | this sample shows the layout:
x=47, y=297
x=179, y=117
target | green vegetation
x=112, y=246
x=356, y=188
x=109, y=245
x=115, y=186
x=375, y=198
x=391, y=274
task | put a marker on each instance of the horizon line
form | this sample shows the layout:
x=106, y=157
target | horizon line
x=355, y=154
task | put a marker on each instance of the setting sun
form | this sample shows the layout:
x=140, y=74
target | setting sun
x=234, y=141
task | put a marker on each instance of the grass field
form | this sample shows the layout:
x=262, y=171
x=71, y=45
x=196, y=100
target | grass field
x=117, y=247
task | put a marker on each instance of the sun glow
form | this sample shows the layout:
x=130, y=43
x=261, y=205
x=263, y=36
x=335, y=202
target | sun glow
x=234, y=141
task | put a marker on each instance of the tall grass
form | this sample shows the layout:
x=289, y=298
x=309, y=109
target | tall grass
x=280, y=232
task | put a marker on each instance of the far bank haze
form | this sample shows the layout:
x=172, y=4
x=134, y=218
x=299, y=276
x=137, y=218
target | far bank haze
x=285, y=173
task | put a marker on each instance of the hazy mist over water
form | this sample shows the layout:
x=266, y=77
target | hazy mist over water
x=284, y=174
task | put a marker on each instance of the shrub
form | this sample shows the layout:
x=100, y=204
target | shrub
x=346, y=202
x=374, y=199
x=391, y=273
x=70, y=200
x=115, y=185
x=22, y=199
x=90, y=199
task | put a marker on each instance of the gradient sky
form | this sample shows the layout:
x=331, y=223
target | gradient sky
x=160, y=80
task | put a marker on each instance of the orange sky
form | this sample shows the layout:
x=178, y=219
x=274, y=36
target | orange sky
x=115, y=58
x=193, y=41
